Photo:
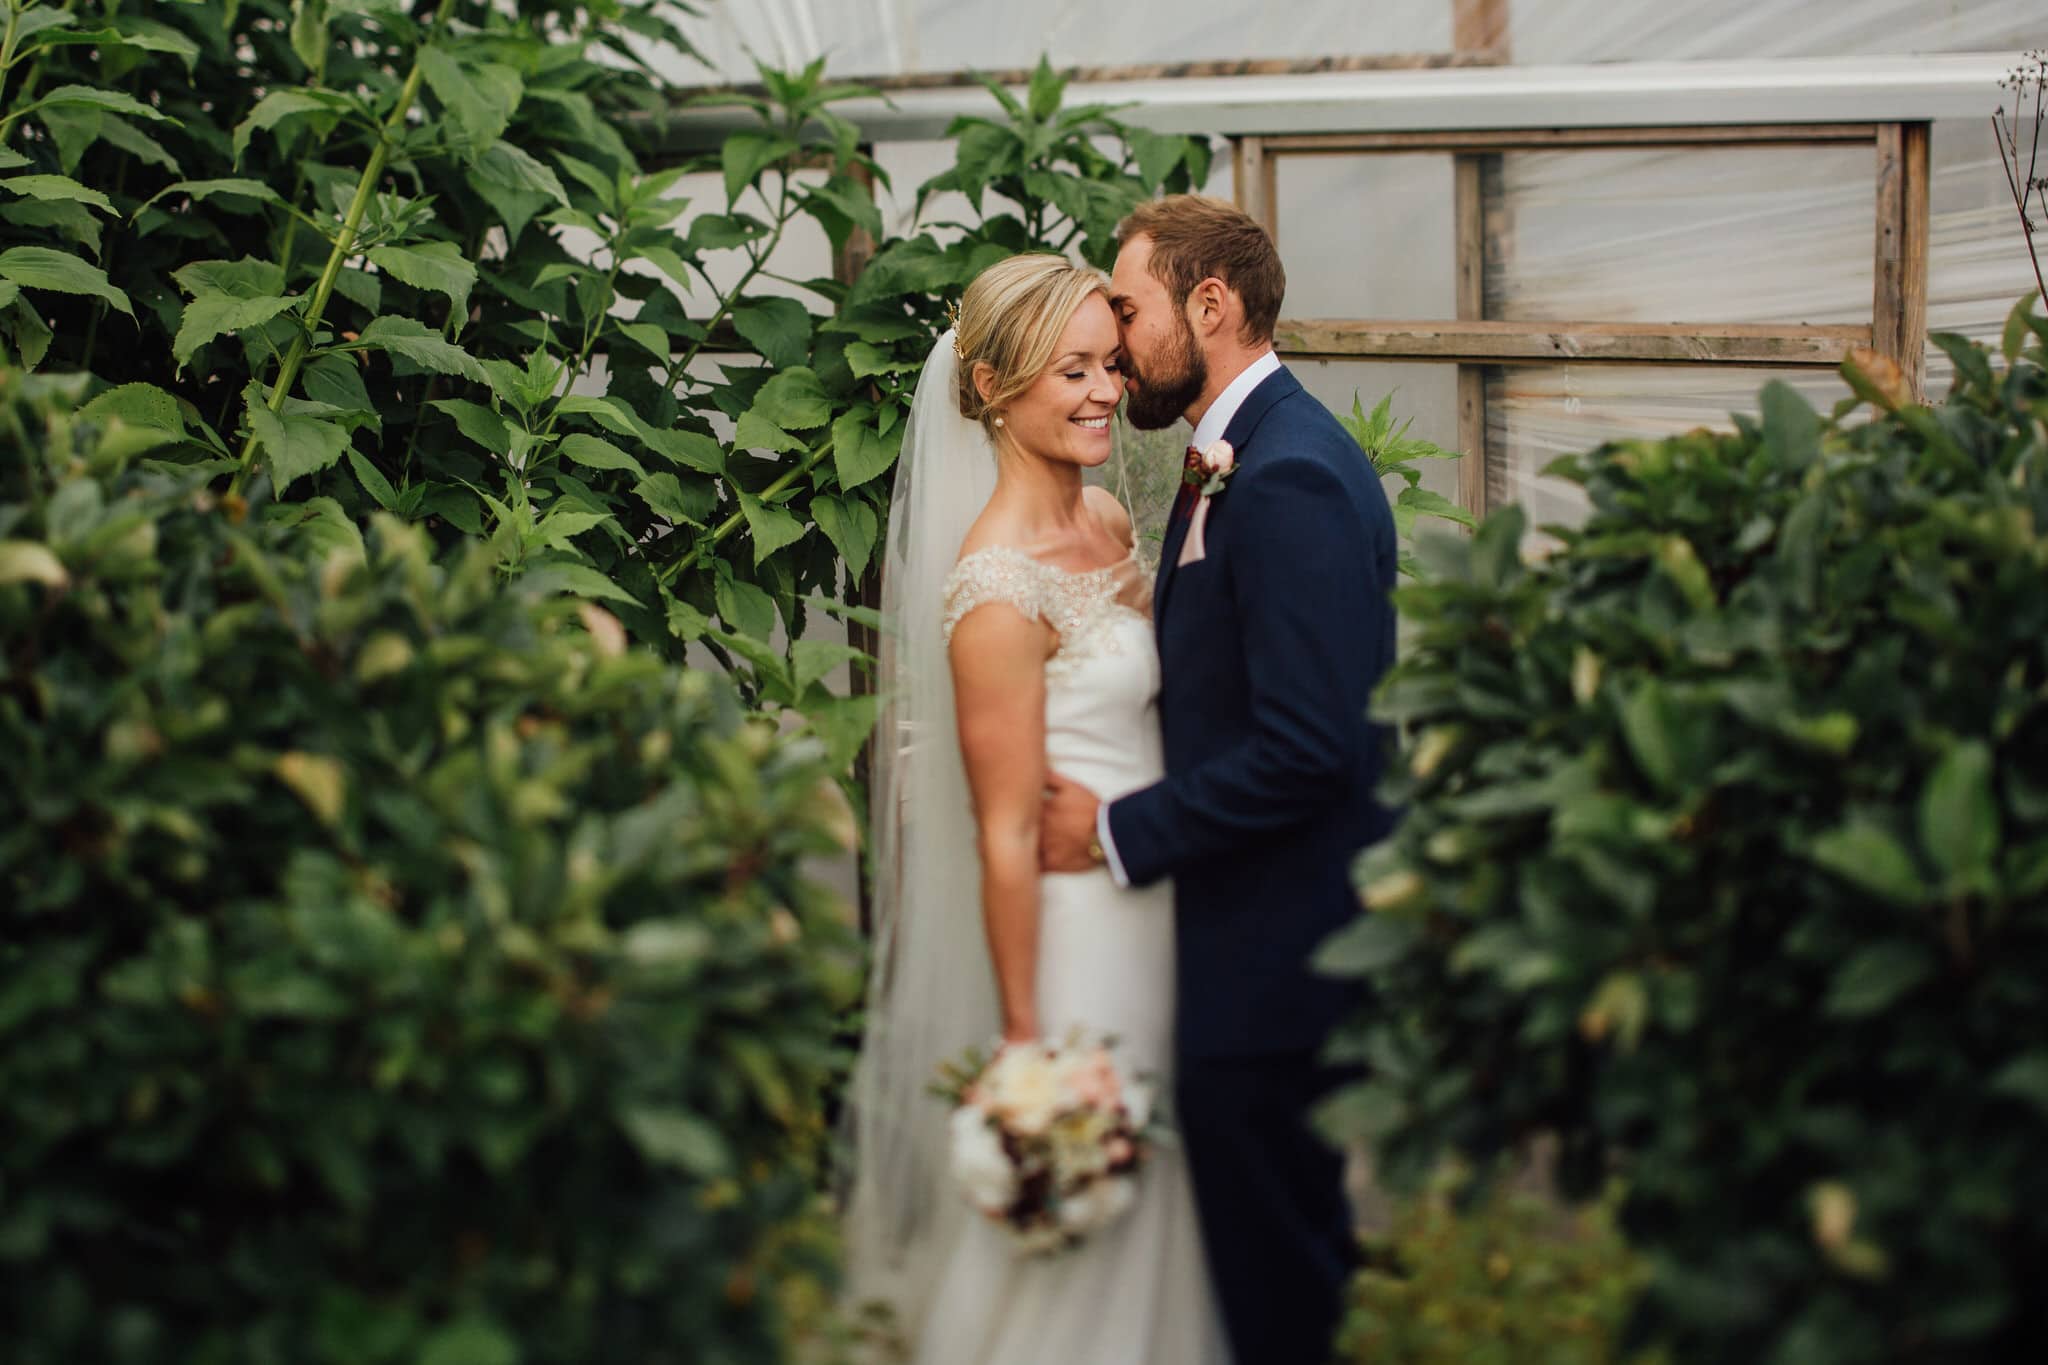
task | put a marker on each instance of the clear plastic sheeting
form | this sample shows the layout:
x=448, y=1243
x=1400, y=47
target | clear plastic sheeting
x=1536, y=413
x=1685, y=234
x=902, y=37
x=1764, y=236
x=905, y=37
x=1541, y=31
x=1976, y=258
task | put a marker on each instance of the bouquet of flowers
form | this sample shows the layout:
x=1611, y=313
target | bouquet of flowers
x=1047, y=1140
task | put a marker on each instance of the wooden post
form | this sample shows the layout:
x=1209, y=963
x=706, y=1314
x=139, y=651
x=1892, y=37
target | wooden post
x=1898, y=315
x=1479, y=28
x=1470, y=231
x=847, y=264
x=1253, y=172
x=853, y=257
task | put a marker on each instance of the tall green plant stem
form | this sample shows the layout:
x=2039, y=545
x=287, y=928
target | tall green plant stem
x=344, y=243
x=783, y=213
x=733, y=523
x=23, y=96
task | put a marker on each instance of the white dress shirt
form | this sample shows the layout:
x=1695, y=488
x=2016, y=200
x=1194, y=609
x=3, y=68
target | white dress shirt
x=1207, y=432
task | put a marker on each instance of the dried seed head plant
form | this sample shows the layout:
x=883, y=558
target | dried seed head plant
x=2019, y=148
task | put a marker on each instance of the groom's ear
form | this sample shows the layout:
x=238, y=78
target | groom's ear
x=1213, y=308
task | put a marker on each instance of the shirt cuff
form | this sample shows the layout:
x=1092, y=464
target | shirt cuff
x=1103, y=837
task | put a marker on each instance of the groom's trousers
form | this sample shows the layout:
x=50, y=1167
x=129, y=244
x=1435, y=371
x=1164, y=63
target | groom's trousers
x=1276, y=1224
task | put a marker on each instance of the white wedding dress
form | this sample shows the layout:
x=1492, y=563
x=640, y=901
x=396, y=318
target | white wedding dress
x=1136, y=1293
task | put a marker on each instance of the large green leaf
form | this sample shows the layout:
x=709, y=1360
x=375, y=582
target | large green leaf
x=41, y=267
x=1867, y=855
x=515, y=184
x=771, y=528
x=594, y=452
x=106, y=101
x=422, y=345
x=295, y=446
x=129, y=31
x=1791, y=426
x=1959, y=815
x=142, y=405
x=852, y=527
x=1876, y=976
x=201, y=190
x=755, y=432
x=811, y=660
x=1367, y=944
x=279, y=105
x=794, y=400
x=672, y=1137
x=437, y=266
x=210, y=315
x=478, y=423
x=746, y=154
x=470, y=1340
x=779, y=328
x=743, y=606
x=310, y=36
x=135, y=142
x=579, y=580
x=665, y=497
x=479, y=99
x=859, y=453
x=56, y=187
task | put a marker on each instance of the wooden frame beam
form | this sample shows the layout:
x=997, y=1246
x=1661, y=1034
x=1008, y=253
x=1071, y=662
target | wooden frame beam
x=1899, y=302
x=1574, y=139
x=1469, y=224
x=1481, y=342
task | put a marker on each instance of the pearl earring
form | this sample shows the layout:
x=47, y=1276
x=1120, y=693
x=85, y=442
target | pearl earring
x=999, y=421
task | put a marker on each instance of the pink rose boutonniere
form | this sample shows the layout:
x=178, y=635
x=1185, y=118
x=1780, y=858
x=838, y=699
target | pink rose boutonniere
x=1208, y=468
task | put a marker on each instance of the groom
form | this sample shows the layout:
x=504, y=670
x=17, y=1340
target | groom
x=1274, y=626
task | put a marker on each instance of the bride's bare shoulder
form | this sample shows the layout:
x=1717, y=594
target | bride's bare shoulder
x=991, y=531
x=1109, y=513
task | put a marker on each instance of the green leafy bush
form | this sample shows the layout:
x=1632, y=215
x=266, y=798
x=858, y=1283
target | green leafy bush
x=1726, y=860
x=393, y=967
x=1511, y=1280
x=1393, y=453
x=437, y=260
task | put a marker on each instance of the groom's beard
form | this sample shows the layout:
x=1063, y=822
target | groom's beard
x=1168, y=386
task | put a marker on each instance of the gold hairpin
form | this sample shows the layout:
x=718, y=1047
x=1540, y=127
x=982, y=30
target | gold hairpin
x=953, y=318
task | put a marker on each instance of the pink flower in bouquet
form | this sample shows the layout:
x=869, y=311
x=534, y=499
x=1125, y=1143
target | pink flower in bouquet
x=1095, y=1082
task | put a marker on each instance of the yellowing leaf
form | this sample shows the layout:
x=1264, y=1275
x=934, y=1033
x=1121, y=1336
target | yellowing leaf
x=320, y=781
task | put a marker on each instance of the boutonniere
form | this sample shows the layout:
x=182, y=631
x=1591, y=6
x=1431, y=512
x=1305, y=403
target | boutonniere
x=1209, y=467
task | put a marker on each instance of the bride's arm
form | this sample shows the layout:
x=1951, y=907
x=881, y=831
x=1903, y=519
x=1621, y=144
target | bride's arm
x=998, y=659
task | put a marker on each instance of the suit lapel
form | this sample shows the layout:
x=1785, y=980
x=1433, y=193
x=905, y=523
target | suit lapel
x=1274, y=387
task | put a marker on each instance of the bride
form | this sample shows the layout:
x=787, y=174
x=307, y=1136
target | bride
x=1018, y=639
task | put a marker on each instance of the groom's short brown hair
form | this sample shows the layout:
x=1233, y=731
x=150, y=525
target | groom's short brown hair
x=1194, y=237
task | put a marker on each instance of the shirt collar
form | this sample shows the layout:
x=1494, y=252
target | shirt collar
x=1217, y=419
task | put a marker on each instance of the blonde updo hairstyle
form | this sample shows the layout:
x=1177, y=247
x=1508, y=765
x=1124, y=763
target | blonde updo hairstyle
x=1011, y=319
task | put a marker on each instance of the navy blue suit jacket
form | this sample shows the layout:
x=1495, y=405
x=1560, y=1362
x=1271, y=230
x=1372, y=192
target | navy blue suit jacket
x=1270, y=648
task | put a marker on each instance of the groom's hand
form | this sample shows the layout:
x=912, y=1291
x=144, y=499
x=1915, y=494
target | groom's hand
x=1066, y=827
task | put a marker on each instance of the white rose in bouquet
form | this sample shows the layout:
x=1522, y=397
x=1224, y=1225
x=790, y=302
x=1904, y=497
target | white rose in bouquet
x=1022, y=1087
x=1097, y=1205
x=980, y=1164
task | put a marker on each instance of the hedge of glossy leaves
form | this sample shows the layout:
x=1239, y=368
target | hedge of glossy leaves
x=1726, y=859
x=392, y=967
